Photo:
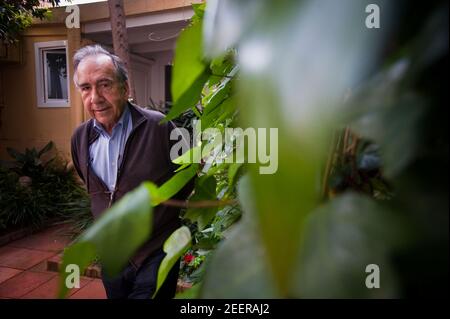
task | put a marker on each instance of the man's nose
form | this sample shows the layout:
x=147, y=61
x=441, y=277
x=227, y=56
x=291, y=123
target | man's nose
x=96, y=95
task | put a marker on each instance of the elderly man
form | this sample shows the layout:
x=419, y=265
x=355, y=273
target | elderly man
x=121, y=146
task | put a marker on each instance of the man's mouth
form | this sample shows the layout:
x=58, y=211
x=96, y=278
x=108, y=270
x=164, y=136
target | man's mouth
x=101, y=110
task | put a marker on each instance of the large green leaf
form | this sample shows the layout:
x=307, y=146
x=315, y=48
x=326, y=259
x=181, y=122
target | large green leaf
x=174, y=247
x=81, y=254
x=115, y=236
x=191, y=156
x=172, y=186
x=188, y=61
x=283, y=86
x=190, y=73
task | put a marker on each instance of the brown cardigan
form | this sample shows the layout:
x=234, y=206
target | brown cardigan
x=145, y=158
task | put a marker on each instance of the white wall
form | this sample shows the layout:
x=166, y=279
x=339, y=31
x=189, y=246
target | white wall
x=161, y=59
x=149, y=77
x=141, y=72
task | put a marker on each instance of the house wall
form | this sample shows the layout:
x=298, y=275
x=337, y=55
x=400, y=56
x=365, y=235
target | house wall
x=23, y=123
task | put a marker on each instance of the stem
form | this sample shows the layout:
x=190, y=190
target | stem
x=333, y=145
x=198, y=204
x=196, y=111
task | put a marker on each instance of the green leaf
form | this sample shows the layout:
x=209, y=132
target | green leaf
x=45, y=149
x=182, y=167
x=172, y=186
x=215, y=169
x=189, y=98
x=188, y=63
x=191, y=156
x=219, y=95
x=222, y=65
x=15, y=154
x=221, y=113
x=199, y=10
x=130, y=218
x=205, y=189
x=81, y=254
x=174, y=247
x=232, y=171
x=189, y=72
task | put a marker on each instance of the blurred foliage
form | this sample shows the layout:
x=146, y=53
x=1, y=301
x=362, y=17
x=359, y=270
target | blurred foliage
x=17, y=15
x=37, y=186
x=370, y=95
x=362, y=151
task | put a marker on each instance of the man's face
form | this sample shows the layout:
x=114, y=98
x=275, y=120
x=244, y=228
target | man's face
x=104, y=98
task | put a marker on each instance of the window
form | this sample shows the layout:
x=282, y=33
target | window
x=52, y=84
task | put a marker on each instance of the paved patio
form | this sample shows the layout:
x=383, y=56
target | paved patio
x=24, y=274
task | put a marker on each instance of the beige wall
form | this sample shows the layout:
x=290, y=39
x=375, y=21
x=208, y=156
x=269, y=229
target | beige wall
x=23, y=123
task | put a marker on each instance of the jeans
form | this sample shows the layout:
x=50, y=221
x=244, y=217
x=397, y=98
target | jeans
x=140, y=282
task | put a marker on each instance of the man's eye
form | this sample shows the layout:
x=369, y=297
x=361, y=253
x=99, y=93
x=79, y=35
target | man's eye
x=106, y=85
x=85, y=89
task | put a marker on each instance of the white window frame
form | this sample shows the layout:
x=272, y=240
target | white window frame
x=41, y=78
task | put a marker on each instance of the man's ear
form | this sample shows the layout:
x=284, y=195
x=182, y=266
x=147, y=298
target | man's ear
x=126, y=88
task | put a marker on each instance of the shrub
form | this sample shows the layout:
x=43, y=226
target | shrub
x=33, y=190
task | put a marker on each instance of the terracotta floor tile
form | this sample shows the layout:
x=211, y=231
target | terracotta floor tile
x=51, y=239
x=41, y=267
x=93, y=290
x=49, y=290
x=7, y=273
x=22, y=258
x=23, y=283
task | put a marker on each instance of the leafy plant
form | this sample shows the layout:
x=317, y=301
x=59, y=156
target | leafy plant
x=29, y=163
x=17, y=15
x=34, y=190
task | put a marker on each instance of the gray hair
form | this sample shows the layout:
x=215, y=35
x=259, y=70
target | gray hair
x=91, y=50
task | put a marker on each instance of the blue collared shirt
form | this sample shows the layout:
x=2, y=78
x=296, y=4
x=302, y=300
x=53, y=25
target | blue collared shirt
x=107, y=150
